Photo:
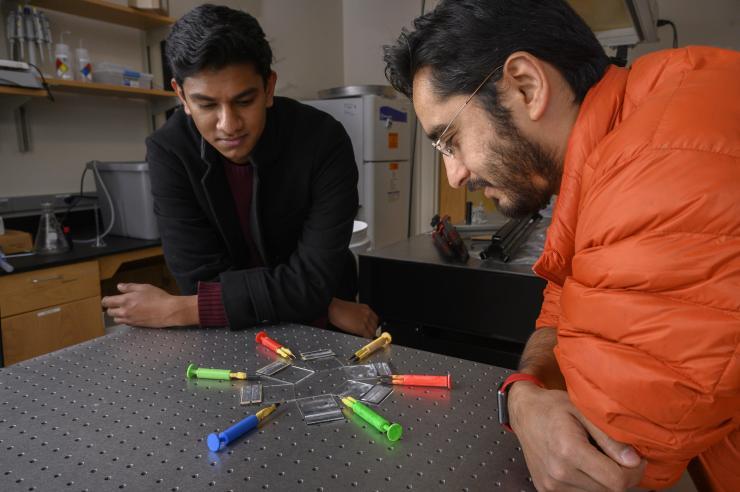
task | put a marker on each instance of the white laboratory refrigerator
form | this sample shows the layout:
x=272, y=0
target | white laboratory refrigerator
x=379, y=128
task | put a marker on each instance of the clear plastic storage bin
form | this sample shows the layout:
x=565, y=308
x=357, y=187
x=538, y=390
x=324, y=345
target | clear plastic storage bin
x=131, y=194
x=111, y=73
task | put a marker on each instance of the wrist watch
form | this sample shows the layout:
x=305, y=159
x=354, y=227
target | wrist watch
x=503, y=394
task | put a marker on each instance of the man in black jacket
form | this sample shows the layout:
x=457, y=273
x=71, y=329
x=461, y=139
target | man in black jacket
x=255, y=195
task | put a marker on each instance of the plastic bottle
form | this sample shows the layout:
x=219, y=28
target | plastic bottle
x=84, y=67
x=62, y=61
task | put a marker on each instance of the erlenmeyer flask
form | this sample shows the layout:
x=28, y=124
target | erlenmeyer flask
x=50, y=238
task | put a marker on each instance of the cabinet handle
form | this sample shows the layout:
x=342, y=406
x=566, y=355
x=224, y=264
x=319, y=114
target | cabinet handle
x=47, y=279
x=47, y=312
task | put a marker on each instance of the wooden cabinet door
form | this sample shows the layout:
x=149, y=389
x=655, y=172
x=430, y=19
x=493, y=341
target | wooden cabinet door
x=30, y=291
x=39, y=332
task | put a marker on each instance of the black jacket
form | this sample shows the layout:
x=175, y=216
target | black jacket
x=304, y=201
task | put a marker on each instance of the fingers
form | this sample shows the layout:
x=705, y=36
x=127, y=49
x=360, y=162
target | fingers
x=633, y=476
x=113, y=301
x=594, y=465
x=369, y=331
x=116, y=313
x=371, y=321
x=555, y=442
x=623, y=454
x=560, y=475
x=132, y=287
x=573, y=481
x=599, y=468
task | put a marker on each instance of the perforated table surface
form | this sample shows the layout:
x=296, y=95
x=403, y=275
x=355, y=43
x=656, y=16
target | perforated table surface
x=118, y=413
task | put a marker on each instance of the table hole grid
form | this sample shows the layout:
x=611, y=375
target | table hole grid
x=117, y=413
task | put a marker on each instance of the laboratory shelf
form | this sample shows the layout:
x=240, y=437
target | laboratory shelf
x=94, y=88
x=160, y=100
x=21, y=91
x=15, y=97
x=107, y=12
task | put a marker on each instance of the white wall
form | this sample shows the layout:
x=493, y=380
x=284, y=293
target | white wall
x=306, y=37
x=710, y=22
x=368, y=25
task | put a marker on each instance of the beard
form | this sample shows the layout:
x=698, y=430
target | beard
x=525, y=174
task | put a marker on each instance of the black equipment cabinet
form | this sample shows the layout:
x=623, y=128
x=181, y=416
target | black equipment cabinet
x=482, y=310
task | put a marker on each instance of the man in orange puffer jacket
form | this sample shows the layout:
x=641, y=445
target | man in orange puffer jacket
x=641, y=318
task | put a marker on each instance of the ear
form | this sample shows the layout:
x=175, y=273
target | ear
x=270, y=89
x=180, y=95
x=526, y=84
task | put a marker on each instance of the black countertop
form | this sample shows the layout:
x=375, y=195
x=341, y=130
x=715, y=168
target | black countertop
x=421, y=249
x=80, y=252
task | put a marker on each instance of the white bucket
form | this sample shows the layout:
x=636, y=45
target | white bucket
x=360, y=242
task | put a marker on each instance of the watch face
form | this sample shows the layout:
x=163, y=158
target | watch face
x=503, y=408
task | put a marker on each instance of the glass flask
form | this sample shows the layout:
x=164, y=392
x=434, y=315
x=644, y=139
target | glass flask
x=50, y=239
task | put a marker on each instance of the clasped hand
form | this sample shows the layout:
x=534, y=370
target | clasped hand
x=555, y=440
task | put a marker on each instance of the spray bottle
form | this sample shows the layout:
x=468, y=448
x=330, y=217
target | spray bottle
x=63, y=63
x=84, y=67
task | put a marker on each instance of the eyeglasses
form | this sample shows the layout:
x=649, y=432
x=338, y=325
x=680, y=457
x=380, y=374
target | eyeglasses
x=442, y=147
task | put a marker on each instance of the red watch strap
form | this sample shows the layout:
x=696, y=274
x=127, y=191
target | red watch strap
x=517, y=376
x=503, y=391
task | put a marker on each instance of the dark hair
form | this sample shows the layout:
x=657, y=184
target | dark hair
x=464, y=40
x=213, y=36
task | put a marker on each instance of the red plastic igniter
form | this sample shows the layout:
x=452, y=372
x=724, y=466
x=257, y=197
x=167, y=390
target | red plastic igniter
x=420, y=380
x=276, y=347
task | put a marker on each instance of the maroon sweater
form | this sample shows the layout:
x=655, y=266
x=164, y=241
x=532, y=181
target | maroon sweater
x=210, y=303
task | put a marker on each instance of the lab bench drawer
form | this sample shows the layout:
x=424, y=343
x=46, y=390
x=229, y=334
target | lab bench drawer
x=24, y=292
x=39, y=332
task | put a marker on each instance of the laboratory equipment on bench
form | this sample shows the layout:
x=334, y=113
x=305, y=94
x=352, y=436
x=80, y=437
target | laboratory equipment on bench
x=126, y=201
x=509, y=238
x=27, y=30
x=447, y=240
x=379, y=126
x=360, y=241
x=18, y=74
x=50, y=238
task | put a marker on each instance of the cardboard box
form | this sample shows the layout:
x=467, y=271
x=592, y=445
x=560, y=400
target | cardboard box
x=16, y=242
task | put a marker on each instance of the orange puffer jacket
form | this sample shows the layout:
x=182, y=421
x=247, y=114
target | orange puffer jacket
x=643, y=261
